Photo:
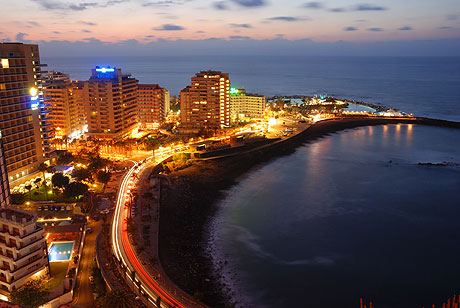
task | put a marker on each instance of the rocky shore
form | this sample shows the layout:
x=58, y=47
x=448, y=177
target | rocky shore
x=191, y=201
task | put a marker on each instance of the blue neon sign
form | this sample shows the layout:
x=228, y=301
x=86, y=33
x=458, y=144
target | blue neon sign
x=105, y=69
x=34, y=104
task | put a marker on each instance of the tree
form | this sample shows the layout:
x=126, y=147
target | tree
x=115, y=299
x=32, y=294
x=104, y=177
x=37, y=182
x=75, y=189
x=60, y=180
x=43, y=168
x=29, y=188
x=18, y=198
x=82, y=175
x=97, y=163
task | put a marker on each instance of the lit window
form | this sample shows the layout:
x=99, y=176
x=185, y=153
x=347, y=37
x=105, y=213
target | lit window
x=5, y=63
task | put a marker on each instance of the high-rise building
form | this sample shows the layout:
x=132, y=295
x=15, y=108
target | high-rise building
x=151, y=105
x=110, y=103
x=244, y=106
x=22, y=248
x=66, y=100
x=5, y=199
x=206, y=103
x=24, y=117
x=22, y=245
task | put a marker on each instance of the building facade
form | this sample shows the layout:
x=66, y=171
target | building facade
x=244, y=106
x=152, y=103
x=22, y=248
x=65, y=98
x=4, y=183
x=205, y=104
x=24, y=119
x=110, y=103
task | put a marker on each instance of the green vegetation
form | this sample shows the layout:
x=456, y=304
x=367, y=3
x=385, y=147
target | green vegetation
x=18, y=198
x=114, y=299
x=58, y=273
x=60, y=180
x=75, y=190
x=33, y=294
x=99, y=283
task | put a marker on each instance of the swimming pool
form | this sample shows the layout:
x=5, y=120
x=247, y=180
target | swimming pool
x=60, y=251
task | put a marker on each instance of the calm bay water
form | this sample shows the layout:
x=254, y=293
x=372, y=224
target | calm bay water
x=423, y=86
x=336, y=221
x=350, y=215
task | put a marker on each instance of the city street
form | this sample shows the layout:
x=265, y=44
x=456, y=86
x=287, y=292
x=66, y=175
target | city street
x=83, y=295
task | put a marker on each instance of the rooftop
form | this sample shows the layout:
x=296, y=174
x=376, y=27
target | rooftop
x=16, y=215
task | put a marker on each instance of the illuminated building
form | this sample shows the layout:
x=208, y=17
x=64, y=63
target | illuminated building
x=23, y=114
x=246, y=106
x=22, y=248
x=22, y=245
x=110, y=103
x=205, y=104
x=66, y=100
x=151, y=110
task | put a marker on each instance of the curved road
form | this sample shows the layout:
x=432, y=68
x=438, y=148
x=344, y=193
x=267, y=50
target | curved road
x=124, y=252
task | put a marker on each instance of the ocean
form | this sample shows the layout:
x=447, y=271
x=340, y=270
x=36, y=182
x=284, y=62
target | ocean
x=424, y=86
x=351, y=215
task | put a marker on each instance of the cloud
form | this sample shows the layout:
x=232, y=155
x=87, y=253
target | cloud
x=375, y=29
x=240, y=25
x=86, y=31
x=350, y=29
x=56, y=32
x=150, y=36
x=92, y=40
x=369, y=7
x=20, y=36
x=250, y=3
x=284, y=18
x=75, y=6
x=34, y=23
x=87, y=23
x=337, y=10
x=239, y=37
x=164, y=3
x=169, y=27
x=82, y=6
x=452, y=17
x=200, y=31
x=220, y=5
x=445, y=28
x=313, y=5
x=406, y=28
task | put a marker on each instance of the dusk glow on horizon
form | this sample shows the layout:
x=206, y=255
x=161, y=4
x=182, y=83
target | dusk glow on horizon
x=148, y=20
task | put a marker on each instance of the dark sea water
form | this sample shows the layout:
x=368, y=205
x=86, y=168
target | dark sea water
x=336, y=221
x=423, y=86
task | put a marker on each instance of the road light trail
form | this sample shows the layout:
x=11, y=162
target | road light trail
x=123, y=250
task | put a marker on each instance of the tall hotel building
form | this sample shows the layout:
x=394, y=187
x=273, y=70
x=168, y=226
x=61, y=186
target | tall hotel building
x=66, y=100
x=244, y=106
x=152, y=104
x=110, y=103
x=206, y=103
x=22, y=245
x=24, y=117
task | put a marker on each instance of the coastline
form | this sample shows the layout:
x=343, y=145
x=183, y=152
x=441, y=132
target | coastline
x=192, y=201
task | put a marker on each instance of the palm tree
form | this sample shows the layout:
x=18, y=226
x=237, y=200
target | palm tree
x=42, y=168
x=115, y=299
x=29, y=188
